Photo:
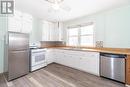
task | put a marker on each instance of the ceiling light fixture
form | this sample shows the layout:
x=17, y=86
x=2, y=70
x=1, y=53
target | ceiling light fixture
x=56, y=5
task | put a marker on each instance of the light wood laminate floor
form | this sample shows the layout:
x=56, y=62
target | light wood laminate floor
x=55, y=75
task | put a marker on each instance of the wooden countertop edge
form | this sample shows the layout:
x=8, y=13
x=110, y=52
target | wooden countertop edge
x=125, y=51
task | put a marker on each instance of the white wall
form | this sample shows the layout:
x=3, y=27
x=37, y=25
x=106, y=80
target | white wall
x=112, y=26
x=3, y=30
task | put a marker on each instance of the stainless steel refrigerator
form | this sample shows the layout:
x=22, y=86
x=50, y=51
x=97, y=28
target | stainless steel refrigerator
x=16, y=55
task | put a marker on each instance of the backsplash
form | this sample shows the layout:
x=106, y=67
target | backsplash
x=52, y=43
x=99, y=44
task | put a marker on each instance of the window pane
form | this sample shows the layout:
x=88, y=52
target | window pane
x=86, y=41
x=73, y=31
x=87, y=30
x=73, y=41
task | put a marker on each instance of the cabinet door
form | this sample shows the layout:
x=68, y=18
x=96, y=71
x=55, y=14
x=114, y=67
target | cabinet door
x=49, y=56
x=89, y=62
x=48, y=31
x=14, y=24
x=60, y=57
x=51, y=31
x=67, y=58
x=57, y=31
x=20, y=22
x=45, y=31
x=61, y=31
x=72, y=59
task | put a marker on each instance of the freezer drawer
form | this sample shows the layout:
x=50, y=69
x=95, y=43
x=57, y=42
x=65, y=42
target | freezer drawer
x=113, y=67
x=18, y=64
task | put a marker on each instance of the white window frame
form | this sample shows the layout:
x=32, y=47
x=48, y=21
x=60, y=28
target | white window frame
x=72, y=36
x=79, y=34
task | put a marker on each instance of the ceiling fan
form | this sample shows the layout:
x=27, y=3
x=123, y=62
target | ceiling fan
x=57, y=5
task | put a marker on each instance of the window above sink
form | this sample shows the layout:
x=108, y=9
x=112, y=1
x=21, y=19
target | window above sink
x=82, y=35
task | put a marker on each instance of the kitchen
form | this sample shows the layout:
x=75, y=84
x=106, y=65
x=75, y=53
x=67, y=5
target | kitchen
x=64, y=43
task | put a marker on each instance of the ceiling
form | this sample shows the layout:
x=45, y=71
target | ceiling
x=40, y=8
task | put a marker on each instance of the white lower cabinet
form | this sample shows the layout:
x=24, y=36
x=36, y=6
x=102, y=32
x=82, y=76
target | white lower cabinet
x=85, y=61
x=90, y=63
x=49, y=56
x=66, y=57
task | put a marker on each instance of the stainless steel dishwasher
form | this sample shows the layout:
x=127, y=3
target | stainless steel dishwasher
x=112, y=66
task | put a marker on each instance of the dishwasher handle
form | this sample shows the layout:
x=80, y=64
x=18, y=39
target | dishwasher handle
x=113, y=55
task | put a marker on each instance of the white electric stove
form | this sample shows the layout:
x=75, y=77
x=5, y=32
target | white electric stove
x=37, y=58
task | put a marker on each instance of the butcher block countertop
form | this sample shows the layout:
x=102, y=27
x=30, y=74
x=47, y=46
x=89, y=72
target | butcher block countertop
x=94, y=49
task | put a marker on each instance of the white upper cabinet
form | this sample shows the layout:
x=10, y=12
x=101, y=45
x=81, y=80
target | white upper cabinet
x=20, y=22
x=47, y=30
x=58, y=32
x=15, y=22
x=51, y=31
